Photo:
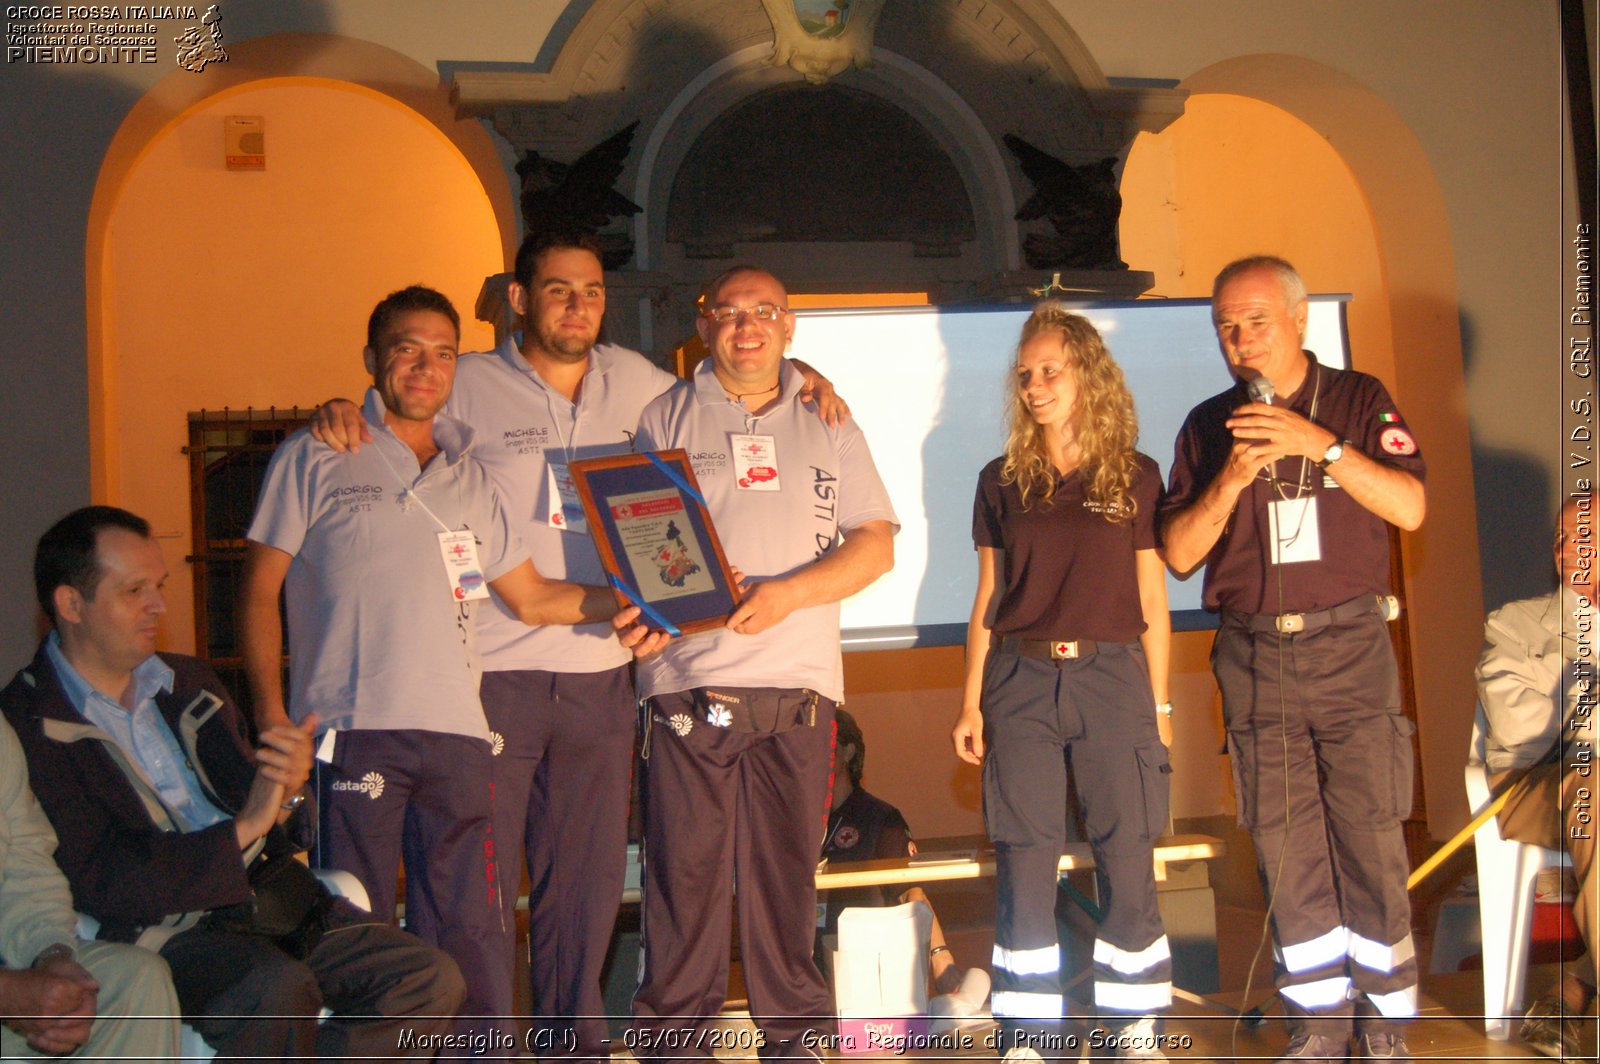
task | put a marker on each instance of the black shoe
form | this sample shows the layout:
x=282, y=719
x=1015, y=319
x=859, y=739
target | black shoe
x=1547, y=1029
x=1308, y=1046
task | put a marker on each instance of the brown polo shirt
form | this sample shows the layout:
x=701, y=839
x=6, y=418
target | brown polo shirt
x=1354, y=542
x=1069, y=571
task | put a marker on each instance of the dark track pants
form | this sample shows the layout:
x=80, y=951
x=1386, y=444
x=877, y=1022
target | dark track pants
x=425, y=797
x=252, y=1001
x=722, y=806
x=561, y=781
x=1333, y=862
x=1091, y=721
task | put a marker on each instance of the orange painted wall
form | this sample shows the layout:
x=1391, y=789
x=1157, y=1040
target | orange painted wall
x=253, y=288
x=1235, y=176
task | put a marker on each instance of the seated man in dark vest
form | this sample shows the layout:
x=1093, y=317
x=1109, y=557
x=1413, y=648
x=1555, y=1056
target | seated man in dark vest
x=176, y=835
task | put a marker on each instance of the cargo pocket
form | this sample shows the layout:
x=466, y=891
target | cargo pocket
x=1155, y=778
x=1404, y=764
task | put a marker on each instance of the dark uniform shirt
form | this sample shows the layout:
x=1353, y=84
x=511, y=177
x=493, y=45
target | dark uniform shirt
x=1069, y=572
x=863, y=828
x=1354, y=542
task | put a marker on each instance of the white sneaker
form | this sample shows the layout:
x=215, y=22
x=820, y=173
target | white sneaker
x=964, y=1007
x=1137, y=1041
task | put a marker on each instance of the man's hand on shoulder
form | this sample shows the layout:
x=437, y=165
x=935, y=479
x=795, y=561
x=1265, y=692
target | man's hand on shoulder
x=52, y=1005
x=831, y=406
x=338, y=424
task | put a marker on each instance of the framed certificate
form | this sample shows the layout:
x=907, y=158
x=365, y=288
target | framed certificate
x=655, y=538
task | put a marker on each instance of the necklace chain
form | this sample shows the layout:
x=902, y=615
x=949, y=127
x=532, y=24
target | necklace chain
x=740, y=397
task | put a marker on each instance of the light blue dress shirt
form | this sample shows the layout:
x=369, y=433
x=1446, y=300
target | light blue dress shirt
x=142, y=734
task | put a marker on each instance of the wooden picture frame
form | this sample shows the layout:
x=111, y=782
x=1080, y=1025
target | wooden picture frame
x=656, y=541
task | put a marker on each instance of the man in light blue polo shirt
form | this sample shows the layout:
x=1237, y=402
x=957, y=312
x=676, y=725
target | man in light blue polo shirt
x=741, y=717
x=559, y=699
x=387, y=554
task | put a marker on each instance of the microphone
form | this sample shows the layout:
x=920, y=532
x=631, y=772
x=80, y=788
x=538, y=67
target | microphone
x=1262, y=391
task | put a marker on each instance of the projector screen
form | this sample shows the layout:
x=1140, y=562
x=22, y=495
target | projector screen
x=929, y=388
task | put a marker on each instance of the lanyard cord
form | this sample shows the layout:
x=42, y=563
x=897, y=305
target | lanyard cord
x=555, y=419
x=1301, y=484
x=407, y=494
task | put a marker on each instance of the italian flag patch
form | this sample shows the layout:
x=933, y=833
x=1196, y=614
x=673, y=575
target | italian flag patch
x=1389, y=419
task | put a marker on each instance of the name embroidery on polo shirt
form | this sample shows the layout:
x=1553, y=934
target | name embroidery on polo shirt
x=530, y=440
x=708, y=462
x=1101, y=508
x=356, y=498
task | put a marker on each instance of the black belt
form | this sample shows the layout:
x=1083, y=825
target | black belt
x=1057, y=650
x=1292, y=623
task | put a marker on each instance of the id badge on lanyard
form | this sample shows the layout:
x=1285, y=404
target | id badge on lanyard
x=755, y=462
x=459, y=549
x=566, y=509
x=1292, y=524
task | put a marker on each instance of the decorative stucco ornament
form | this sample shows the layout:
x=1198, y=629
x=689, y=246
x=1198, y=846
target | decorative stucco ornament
x=822, y=38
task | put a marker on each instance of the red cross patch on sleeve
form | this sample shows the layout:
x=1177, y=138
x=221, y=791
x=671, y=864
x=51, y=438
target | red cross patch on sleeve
x=1396, y=440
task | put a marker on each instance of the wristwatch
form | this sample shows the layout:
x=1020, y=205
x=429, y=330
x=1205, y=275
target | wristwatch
x=1334, y=452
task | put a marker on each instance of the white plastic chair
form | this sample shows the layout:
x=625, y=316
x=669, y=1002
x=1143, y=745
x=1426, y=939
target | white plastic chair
x=340, y=884
x=1506, y=873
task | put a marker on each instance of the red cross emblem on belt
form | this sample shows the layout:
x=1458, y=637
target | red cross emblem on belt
x=1062, y=650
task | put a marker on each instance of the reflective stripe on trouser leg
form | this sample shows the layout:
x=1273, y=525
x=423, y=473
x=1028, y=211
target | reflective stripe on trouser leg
x=1024, y=813
x=1314, y=978
x=1326, y=821
x=1364, y=755
x=1372, y=964
x=1133, y=981
x=1027, y=999
x=1120, y=770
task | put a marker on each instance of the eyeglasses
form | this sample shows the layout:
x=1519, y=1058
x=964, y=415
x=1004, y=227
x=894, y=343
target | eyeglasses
x=725, y=315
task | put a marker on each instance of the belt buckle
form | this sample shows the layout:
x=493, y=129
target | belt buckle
x=1062, y=650
x=1289, y=623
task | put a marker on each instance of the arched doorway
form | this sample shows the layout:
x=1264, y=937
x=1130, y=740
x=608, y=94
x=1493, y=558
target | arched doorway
x=214, y=289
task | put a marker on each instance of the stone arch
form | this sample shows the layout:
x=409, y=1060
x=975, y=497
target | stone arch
x=918, y=92
x=967, y=73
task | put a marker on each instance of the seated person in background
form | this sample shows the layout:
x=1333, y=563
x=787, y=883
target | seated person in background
x=58, y=994
x=1536, y=682
x=862, y=827
x=174, y=833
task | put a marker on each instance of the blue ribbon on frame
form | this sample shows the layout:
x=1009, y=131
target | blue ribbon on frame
x=677, y=478
x=645, y=607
